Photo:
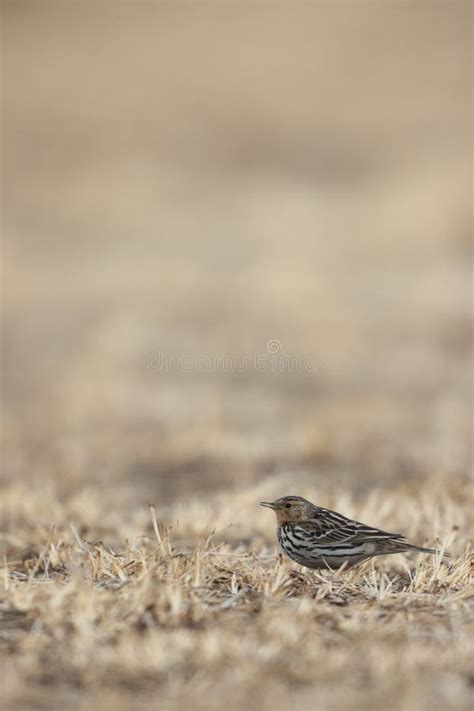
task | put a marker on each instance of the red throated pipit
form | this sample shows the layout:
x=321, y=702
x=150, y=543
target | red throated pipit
x=320, y=538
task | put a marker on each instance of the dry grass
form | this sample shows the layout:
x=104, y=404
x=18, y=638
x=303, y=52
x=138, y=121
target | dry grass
x=180, y=617
x=202, y=178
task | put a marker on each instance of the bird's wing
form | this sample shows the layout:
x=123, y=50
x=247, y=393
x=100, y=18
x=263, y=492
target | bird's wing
x=329, y=528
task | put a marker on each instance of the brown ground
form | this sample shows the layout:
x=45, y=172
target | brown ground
x=202, y=179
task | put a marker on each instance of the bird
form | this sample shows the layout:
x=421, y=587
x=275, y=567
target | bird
x=320, y=538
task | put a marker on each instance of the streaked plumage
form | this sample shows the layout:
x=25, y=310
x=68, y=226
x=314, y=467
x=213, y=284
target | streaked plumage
x=320, y=538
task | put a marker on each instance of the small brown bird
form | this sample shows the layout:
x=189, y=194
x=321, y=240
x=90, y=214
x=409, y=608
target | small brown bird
x=320, y=538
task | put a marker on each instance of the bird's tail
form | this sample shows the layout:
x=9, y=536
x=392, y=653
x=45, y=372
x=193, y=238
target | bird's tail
x=399, y=545
x=422, y=549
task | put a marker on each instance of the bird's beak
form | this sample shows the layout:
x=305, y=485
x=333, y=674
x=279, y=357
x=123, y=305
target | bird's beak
x=267, y=503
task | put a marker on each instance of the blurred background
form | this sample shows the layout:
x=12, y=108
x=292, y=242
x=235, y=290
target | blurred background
x=202, y=178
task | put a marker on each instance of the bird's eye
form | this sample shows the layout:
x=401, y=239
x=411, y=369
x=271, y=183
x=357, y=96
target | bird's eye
x=287, y=506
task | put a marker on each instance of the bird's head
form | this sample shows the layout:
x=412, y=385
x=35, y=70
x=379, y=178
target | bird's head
x=291, y=508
